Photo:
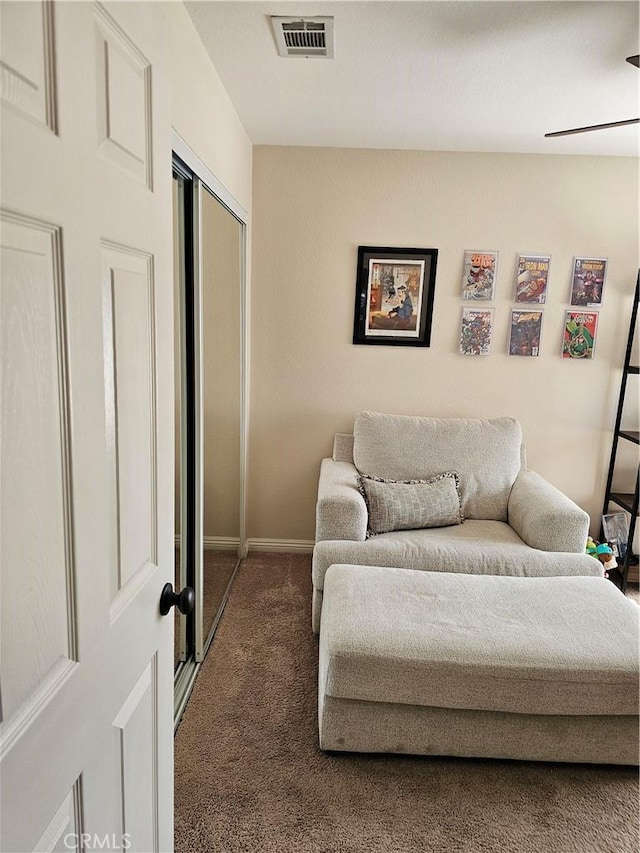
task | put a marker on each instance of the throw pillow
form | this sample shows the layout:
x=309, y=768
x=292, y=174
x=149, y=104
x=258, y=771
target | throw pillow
x=411, y=504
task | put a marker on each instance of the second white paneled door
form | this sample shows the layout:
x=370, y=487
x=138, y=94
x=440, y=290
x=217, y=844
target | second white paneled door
x=86, y=334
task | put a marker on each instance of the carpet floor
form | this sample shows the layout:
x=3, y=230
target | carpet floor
x=249, y=775
x=217, y=568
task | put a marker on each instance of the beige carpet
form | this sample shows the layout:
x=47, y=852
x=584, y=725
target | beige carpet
x=250, y=777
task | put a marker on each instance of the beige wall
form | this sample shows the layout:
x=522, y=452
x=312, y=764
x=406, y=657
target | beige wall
x=201, y=111
x=313, y=207
x=311, y=210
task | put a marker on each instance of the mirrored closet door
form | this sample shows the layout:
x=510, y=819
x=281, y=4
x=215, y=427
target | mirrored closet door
x=209, y=246
x=220, y=368
x=182, y=187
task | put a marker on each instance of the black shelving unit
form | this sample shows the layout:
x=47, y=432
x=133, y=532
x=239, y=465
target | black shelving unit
x=627, y=501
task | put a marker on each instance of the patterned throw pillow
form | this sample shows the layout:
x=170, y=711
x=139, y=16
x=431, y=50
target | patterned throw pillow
x=411, y=504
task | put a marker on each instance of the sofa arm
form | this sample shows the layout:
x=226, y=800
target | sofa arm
x=544, y=517
x=341, y=512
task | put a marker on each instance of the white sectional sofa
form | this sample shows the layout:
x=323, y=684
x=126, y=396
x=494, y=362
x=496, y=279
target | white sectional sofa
x=515, y=522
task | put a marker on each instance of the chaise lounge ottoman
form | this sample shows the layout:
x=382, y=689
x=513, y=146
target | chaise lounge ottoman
x=436, y=663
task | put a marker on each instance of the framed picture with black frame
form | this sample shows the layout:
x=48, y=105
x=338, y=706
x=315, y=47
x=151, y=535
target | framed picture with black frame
x=394, y=296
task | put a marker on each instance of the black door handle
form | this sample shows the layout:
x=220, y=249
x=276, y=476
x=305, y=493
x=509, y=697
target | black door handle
x=184, y=600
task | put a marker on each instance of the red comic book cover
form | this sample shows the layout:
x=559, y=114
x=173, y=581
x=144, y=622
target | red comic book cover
x=532, y=278
x=479, y=275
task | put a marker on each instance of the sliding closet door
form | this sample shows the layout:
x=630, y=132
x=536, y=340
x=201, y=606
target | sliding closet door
x=181, y=195
x=221, y=279
x=209, y=247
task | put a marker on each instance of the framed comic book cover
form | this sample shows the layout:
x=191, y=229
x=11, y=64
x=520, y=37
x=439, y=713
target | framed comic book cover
x=525, y=333
x=479, y=275
x=587, y=281
x=579, y=335
x=394, y=296
x=476, y=330
x=532, y=278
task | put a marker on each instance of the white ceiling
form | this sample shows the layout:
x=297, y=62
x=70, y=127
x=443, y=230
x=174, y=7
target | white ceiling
x=452, y=76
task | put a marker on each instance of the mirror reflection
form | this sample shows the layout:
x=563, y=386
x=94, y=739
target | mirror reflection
x=221, y=386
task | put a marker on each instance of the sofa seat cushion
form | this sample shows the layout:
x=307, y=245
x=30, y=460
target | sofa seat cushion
x=561, y=645
x=486, y=454
x=475, y=547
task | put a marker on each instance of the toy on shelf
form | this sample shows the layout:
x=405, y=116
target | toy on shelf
x=602, y=551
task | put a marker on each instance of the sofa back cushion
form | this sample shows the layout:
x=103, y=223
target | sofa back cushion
x=484, y=453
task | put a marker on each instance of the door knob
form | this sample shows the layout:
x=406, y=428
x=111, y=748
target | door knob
x=184, y=600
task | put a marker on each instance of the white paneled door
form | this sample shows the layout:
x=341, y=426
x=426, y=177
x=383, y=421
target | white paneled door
x=86, y=665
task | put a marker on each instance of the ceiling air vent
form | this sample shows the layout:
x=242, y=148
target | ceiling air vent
x=303, y=36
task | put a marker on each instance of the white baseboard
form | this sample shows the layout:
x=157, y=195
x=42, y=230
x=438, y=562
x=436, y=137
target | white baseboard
x=229, y=543
x=220, y=543
x=217, y=543
x=290, y=546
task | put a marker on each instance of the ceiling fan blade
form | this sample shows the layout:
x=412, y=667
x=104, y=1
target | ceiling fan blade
x=593, y=127
x=634, y=60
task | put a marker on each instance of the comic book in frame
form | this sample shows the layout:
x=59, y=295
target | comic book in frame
x=476, y=331
x=525, y=333
x=394, y=296
x=579, y=334
x=587, y=281
x=532, y=278
x=479, y=275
